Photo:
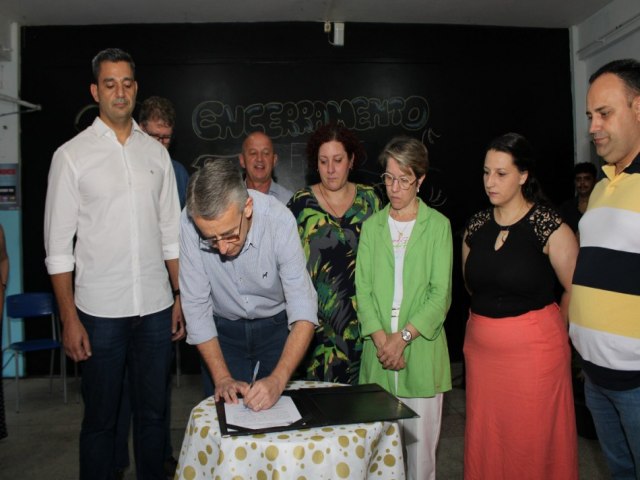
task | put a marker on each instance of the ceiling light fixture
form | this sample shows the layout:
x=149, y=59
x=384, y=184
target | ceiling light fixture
x=338, y=33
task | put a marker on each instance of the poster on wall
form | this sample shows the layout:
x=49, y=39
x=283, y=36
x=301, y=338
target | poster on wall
x=9, y=181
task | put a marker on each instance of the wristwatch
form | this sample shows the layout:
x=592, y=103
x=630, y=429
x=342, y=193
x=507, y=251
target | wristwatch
x=406, y=335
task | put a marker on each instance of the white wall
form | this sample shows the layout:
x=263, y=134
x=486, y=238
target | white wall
x=10, y=153
x=611, y=33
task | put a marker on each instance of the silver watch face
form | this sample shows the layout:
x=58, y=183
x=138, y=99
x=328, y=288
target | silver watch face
x=406, y=335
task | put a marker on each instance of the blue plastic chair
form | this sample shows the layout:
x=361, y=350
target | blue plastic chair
x=33, y=307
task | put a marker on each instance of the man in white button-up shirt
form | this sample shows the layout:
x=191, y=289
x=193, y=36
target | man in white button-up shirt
x=111, y=217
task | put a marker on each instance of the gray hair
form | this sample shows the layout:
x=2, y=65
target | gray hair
x=408, y=152
x=214, y=188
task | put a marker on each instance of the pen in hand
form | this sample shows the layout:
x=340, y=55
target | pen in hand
x=253, y=379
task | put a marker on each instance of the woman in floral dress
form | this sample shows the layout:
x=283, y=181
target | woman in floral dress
x=330, y=215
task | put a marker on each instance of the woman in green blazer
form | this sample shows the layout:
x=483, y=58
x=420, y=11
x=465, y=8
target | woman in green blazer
x=403, y=290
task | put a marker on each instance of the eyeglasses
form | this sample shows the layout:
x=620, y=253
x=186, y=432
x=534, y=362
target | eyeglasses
x=403, y=182
x=212, y=242
x=161, y=138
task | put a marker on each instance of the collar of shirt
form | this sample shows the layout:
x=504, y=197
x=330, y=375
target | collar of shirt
x=634, y=166
x=256, y=230
x=102, y=128
x=258, y=219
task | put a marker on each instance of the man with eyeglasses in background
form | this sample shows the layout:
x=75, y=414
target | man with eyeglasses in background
x=246, y=293
x=158, y=118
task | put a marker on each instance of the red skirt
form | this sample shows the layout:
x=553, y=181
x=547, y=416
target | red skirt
x=520, y=419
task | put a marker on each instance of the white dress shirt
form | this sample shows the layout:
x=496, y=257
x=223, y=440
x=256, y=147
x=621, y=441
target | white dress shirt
x=120, y=202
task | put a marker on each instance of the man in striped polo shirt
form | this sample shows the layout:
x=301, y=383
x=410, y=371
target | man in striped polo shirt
x=605, y=304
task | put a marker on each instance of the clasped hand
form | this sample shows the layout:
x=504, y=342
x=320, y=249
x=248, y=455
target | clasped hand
x=390, y=353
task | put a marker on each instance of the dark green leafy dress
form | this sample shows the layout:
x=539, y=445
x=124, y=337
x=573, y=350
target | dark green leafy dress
x=330, y=245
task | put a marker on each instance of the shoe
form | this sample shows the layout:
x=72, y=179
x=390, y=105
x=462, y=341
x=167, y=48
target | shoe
x=170, y=466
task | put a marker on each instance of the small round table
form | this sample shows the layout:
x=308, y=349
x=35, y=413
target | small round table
x=356, y=451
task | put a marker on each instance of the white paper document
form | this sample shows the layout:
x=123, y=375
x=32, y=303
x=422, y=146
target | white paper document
x=283, y=413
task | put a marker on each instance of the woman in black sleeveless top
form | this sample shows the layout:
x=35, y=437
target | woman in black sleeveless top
x=520, y=419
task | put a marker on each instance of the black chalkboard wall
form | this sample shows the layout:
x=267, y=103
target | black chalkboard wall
x=453, y=87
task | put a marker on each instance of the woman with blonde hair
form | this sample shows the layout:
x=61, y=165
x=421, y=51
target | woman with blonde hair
x=403, y=286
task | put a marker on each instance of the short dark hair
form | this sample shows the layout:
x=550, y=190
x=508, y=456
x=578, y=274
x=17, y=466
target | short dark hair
x=585, y=167
x=157, y=108
x=111, y=55
x=334, y=132
x=523, y=157
x=627, y=69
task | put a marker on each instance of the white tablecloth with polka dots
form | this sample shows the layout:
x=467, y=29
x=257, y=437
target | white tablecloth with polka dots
x=356, y=451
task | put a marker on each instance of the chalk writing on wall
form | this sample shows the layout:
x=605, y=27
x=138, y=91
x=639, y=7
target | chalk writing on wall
x=216, y=120
x=223, y=126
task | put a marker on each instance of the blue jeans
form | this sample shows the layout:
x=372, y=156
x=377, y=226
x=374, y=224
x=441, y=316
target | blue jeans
x=243, y=342
x=616, y=414
x=142, y=346
x=124, y=424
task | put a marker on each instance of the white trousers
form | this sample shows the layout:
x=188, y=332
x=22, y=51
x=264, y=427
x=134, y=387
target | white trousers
x=420, y=437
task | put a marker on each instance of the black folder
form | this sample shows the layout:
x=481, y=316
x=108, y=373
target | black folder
x=321, y=407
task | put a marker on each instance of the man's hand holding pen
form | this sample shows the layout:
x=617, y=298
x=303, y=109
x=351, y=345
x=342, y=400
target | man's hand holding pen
x=253, y=381
x=264, y=393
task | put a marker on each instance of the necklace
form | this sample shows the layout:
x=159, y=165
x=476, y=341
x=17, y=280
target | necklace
x=335, y=214
x=504, y=229
x=396, y=213
x=398, y=231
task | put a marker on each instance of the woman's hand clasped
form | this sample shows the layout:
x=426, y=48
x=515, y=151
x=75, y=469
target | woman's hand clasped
x=390, y=354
